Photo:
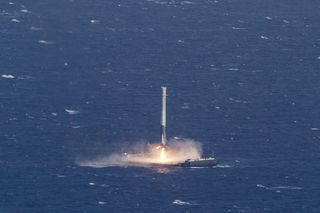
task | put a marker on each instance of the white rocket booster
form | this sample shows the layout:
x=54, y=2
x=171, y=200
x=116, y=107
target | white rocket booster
x=163, y=116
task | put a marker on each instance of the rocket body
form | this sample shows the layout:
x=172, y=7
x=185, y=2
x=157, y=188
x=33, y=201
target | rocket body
x=163, y=116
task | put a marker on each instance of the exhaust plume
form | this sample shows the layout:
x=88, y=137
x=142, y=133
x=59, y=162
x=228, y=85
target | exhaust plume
x=145, y=154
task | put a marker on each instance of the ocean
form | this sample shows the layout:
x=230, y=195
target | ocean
x=81, y=80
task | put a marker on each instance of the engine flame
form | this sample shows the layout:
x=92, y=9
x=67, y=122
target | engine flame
x=163, y=155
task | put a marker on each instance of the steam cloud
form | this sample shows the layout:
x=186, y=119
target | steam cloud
x=144, y=154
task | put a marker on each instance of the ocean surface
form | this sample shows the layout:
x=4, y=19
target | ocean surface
x=82, y=79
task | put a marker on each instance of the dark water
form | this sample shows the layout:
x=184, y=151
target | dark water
x=81, y=79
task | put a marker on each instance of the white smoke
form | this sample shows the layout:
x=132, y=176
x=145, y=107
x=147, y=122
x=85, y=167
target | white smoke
x=145, y=154
x=183, y=149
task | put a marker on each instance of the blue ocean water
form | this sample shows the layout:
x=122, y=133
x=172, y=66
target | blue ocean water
x=81, y=79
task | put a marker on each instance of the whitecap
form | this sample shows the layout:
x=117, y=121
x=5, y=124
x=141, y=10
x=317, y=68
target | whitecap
x=287, y=187
x=260, y=185
x=186, y=2
x=94, y=21
x=268, y=17
x=92, y=184
x=15, y=20
x=264, y=37
x=75, y=127
x=222, y=166
x=314, y=129
x=238, y=28
x=185, y=106
x=25, y=11
x=237, y=101
x=71, y=112
x=45, y=42
x=181, y=203
x=8, y=76
x=277, y=188
x=101, y=202
x=33, y=28
x=158, y=2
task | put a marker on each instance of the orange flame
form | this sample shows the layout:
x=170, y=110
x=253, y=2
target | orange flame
x=163, y=155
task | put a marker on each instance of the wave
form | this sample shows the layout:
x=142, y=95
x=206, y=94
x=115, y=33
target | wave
x=276, y=188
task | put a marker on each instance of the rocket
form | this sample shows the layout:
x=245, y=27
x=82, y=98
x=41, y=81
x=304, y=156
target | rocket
x=163, y=117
